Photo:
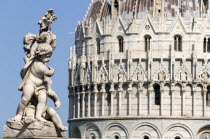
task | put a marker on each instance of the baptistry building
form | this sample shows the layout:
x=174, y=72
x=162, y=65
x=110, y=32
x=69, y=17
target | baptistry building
x=140, y=70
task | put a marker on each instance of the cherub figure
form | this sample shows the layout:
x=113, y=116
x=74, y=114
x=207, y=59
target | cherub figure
x=30, y=45
x=33, y=81
x=36, y=84
x=48, y=113
x=120, y=76
x=46, y=21
x=140, y=76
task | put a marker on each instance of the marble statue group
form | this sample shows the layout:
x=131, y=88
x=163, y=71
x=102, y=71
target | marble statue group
x=36, y=83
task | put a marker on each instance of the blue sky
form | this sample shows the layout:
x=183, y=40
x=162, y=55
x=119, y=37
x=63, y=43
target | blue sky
x=17, y=18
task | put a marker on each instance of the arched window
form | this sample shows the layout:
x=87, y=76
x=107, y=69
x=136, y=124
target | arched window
x=208, y=97
x=76, y=133
x=121, y=42
x=206, y=44
x=98, y=43
x=115, y=8
x=177, y=137
x=178, y=43
x=116, y=137
x=92, y=136
x=146, y=137
x=116, y=5
x=147, y=42
x=157, y=94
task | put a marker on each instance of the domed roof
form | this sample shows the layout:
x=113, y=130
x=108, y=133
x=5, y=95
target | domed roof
x=130, y=9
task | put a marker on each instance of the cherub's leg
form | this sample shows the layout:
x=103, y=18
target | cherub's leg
x=42, y=100
x=28, y=91
x=56, y=119
x=30, y=112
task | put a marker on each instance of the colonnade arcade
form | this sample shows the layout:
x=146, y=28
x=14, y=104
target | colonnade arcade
x=139, y=99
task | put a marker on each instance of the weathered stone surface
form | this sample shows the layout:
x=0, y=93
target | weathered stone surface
x=35, y=130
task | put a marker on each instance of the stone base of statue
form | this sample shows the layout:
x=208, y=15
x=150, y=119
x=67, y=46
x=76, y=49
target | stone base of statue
x=36, y=129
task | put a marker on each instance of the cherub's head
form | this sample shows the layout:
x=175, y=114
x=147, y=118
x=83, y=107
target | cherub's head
x=28, y=41
x=50, y=15
x=44, y=52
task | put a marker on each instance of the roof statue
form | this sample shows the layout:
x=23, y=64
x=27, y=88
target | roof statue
x=34, y=118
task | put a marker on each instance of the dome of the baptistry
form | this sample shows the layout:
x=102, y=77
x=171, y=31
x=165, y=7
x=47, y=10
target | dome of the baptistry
x=140, y=70
x=132, y=9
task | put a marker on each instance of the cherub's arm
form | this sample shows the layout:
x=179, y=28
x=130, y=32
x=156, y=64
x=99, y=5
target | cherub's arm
x=51, y=93
x=46, y=71
x=54, y=97
x=33, y=49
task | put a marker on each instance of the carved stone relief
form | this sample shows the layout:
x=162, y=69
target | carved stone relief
x=183, y=74
x=102, y=75
x=204, y=74
x=119, y=73
x=88, y=74
x=77, y=75
x=161, y=74
x=139, y=74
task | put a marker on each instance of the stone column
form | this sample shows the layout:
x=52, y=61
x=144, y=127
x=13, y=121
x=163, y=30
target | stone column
x=177, y=44
x=149, y=70
x=206, y=44
x=204, y=102
x=161, y=101
x=103, y=91
x=183, y=103
x=74, y=106
x=83, y=104
x=140, y=91
x=78, y=105
x=120, y=90
x=88, y=113
x=95, y=99
x=148, y=42
x=194, y=101
x=172, y=102
x=95, y=104
x=70, y=105
x=130, y=91
x=149, y=101
x=129, y=104
x=112, y=91
x=208, y=11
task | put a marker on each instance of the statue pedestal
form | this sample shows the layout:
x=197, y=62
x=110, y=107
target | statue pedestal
x=34, y=130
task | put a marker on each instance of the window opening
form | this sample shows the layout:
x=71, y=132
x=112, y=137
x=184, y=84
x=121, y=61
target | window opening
x=208, y=97
x=206, y=44
x=177, y=137
x=177, y=43
x=157, y=94
x=116, y=137
x=116, y=4
x=98, y=43
x=92, y=136
x=145, y=137
x=147, y=40
x=121, y=41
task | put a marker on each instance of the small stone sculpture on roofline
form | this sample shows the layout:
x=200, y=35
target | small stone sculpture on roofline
x=36, y=87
